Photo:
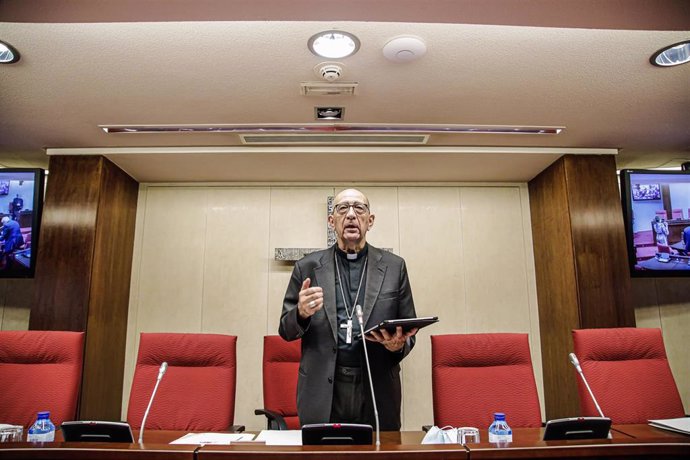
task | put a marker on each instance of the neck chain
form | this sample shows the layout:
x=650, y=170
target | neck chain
x=340, y=283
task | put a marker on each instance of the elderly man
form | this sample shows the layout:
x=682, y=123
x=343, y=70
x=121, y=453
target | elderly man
x=11, y=239
x=319, y=308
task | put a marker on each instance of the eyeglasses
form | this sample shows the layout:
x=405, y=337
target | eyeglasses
x=343, y=208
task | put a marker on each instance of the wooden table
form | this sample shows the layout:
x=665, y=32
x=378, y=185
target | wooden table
x=155, y=447
x=629, y=441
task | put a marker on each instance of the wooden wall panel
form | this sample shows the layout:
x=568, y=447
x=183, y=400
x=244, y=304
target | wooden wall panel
x=556, y=287
x=83, y=270
x=598, y=237
x=65, y=254
x=109, y=295
x=580, y=265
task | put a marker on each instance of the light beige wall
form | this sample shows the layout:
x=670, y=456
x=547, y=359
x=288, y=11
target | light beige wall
x=665, y=303
x=16, y=297
x=203, y=262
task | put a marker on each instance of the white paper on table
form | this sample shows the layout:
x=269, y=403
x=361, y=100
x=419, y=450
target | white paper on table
x=679, y=425
x=281, y=437
x=213, y=438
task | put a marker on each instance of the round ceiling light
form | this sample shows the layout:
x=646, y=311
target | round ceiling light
x=672, y=55
x=334, y=44
x=8, y=54
x=404, y=49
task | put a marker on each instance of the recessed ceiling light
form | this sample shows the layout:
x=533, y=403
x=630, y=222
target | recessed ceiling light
x=8, y=54
x=672, y=55
x=328, y=113
x=334, y=44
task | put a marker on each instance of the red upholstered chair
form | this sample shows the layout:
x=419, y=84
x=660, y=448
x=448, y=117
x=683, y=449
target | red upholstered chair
x=198, y=389
x=280, y=368
x=629, y=374
x=661, y=213
x=676, y=213
x=475, y=375
x=40, y=370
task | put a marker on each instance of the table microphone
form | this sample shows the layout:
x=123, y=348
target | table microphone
x=360, y=320
x=576, y=363
x=161, y=373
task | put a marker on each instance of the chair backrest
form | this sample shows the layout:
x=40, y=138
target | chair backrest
x=628, y=373
x=198, y=389
x=39, y=371
x=677, y=213
x=662, y=213
x=475, y=375
x=280, y=370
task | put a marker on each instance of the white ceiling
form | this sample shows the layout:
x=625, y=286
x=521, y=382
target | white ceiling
x=82, y=68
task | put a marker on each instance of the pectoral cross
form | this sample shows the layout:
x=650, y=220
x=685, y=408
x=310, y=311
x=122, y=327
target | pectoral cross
x=348, y=332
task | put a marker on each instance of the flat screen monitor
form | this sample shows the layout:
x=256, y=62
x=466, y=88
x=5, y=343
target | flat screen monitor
x=656, y=211
x=646, y=192
x=21, y=203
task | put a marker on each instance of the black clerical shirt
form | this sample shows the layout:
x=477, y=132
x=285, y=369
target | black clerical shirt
x=349, y=354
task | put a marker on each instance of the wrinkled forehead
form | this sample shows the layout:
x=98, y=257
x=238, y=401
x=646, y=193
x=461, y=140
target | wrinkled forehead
x=350, y=195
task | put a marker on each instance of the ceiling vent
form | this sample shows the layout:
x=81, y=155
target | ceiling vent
x=358, y=139
x=319, y=88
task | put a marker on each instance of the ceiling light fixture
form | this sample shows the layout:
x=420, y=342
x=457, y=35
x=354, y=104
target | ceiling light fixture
x=8, y=55
x=673, y=55
x=328, y=113
x=333, y=44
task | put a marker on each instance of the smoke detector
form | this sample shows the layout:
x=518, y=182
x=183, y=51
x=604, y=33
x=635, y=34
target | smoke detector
x=329, y=71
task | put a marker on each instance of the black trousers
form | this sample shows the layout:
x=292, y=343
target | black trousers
x=349, y=401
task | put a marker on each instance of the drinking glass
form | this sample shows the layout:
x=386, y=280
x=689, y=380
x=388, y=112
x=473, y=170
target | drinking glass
x=11, y=433
x=468, y=435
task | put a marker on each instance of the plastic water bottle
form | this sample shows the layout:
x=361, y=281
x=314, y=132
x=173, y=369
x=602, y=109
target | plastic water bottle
x=499, y=431
x=42, y=430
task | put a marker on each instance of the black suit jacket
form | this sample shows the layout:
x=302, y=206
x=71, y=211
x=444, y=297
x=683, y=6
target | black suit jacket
x=388, y=296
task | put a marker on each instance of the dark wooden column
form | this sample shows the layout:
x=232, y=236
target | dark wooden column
x=580, y=262
x=84, y=268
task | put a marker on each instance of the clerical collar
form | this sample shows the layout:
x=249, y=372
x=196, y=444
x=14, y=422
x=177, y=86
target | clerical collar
x=352, y=255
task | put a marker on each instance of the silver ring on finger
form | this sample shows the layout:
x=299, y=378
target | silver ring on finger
x=312, y=304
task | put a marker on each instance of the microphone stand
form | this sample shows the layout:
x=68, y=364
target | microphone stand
x=576, y=363
x=161, y=373
x=360, y=320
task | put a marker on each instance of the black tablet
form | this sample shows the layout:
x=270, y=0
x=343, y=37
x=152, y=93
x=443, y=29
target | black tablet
x=96, y=431
x=406, y=324
x=577, y=428
x=336, y=434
